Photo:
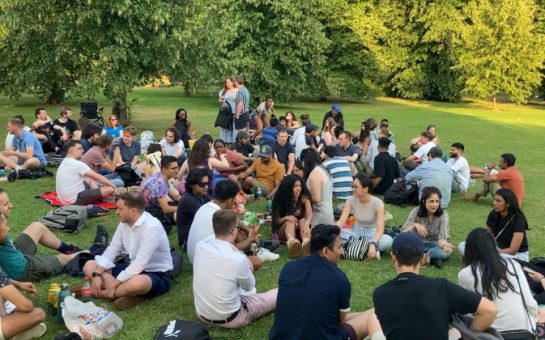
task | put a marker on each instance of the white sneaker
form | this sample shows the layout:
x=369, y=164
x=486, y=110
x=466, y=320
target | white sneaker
x=35, y=332
x=266, y=255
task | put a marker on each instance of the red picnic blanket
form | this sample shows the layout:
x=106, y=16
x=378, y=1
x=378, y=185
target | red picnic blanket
x=51, y=198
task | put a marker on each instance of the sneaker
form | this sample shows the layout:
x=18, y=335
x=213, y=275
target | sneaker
x=272, y=245
x=24, y=174
x=73, y=249
x=12, y=176
x=134, y=188
x=35, y=332
x=265, y=255
x=306, y=247
x=128, y=302
x=294, y=248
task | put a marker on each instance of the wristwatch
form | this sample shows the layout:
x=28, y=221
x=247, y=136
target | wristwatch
x=96, y=274
x=373, y=243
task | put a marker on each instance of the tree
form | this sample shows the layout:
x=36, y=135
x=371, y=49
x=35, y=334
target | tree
x=498, y=49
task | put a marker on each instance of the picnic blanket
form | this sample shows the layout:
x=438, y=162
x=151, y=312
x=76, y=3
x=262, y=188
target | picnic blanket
x=51, y=198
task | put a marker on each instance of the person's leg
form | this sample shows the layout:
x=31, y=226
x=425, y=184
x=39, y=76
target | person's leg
x=41, y=235
x=92, y=195
x=115, y=179
x=140, y=288
x=9, y=161
x=255, y=262
x=248, y=183
x=385, y=242
x=524, y=256
x=462, y=247
x=137, y=285
x=253, y=307
x=363, y=324
x=19, y=322
x=437, y=253
x=32, y=163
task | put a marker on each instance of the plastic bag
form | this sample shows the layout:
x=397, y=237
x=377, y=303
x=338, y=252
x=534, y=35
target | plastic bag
x=88, y=320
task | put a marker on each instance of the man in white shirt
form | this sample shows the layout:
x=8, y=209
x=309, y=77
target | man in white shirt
x=76, y=183
x=223, y=282
x=202, y=226
x=264, y=111
x=460, y=166
x=421, y=155
x=147, y=273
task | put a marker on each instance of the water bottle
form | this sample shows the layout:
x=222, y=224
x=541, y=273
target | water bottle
x=65, y=291
x=258, y=193
x=86, y=293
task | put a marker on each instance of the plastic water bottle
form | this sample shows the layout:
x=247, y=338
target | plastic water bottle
x=86, y=293
x=258, y=193
x=65, y=291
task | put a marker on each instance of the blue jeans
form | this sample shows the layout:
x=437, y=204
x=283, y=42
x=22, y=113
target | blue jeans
x=115, y=179
x=436, y=252
x=524, y=256
x=384, y=243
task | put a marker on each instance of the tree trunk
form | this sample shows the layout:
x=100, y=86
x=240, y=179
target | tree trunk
x=187, y=88
x=57, y=94
x=120, y=109
x=494, y=102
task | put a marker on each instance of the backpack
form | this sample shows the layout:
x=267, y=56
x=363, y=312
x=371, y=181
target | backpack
x=70, y=218
x=225, y=117
x=146, y=138
x=402, y=193
x=183, y=330
x=128, y=175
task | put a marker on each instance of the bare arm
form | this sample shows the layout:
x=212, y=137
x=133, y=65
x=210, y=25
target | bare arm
x=291, y=163
x=10, y=293
x=485, y=315
x=344, y=214
x=315, y=187
x=165, y=206
x=514, y=247
x=99, y=179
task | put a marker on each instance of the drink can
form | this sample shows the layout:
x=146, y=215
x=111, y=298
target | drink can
x=52, y=296
x=253, y=248
x=2, y=172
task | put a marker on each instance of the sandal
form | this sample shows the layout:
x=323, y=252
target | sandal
x=294, y=248
x=306, y=247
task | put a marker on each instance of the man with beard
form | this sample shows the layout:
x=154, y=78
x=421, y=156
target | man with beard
x=460, y=166
x=268, y=174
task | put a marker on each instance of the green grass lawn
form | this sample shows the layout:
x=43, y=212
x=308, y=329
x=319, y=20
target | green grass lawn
x=485, y=133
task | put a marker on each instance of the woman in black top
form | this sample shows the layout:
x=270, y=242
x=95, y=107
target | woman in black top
x=508, y=224
x=183, y=125
x=291, y=215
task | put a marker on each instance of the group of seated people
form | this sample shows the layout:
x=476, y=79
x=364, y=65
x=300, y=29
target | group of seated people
x=302, y=172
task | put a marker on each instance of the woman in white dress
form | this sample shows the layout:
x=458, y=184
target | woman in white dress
x=228, y=95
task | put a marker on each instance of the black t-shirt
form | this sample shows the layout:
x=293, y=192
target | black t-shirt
x=311, y=293
x=516, y=225
x=70, y=126
x=386, y=168
x=421, y=307
x=187, y=208
x=244, y=149
x=282, y=152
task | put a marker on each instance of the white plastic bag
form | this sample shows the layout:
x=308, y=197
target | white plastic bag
x=88, y=320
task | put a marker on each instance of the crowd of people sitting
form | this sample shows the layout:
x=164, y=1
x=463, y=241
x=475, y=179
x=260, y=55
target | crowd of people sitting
x=321, y=186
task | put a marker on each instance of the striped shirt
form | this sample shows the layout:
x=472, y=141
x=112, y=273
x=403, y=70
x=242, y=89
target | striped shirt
x=243, y=95
x=341, y=177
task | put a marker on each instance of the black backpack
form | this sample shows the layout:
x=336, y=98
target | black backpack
x=225, y=117
x=128, y=175
x=183, y=330
x=402, y=193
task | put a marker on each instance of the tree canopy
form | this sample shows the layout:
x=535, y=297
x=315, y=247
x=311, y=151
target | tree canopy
x=431, y=49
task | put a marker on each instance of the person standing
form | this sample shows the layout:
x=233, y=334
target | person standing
x=243, y=104
x=227, y=96
x=336, y=114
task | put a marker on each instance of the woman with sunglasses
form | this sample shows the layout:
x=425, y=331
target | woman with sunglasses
x=195, y=196
x=369, y=213
x=499, y=279
x=112, y=127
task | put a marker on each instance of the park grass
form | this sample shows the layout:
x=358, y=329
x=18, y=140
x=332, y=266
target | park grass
x=485, y=133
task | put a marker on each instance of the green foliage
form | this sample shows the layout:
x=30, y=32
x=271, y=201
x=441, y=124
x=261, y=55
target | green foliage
x=498, y=49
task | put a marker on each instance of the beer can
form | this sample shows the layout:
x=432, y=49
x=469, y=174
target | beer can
x=52, y=296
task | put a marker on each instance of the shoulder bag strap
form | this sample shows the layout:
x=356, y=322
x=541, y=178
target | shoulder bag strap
x=523, y=299
x=505, y=226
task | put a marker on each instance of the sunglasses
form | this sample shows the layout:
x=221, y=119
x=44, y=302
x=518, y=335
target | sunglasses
x=202, y=184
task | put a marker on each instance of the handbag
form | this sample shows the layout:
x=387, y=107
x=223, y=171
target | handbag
x=463, y=322
x=183, y=330
x=356, y=248
x=224, y=118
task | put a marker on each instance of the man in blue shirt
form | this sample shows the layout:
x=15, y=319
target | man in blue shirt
x=347, y=150
x=243, y=104
x=340, y=173
x=434, y=173
x=25, y=152
x=314, y=295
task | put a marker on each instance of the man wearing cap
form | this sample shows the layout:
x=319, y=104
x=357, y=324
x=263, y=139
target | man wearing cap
x=434, y=173
x=421, y=306
x=306, y=140
x=243, y=145
x=268, y=174
x=336, y=114
x=314, y=296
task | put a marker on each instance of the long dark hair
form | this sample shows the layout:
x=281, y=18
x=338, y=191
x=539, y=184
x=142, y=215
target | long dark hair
x=481, y=254
x=199, y=153
x=365, y=130
x=177, y=114
x=282, y=203
x=311, y=159
x=513, y=208
x=426, y=193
